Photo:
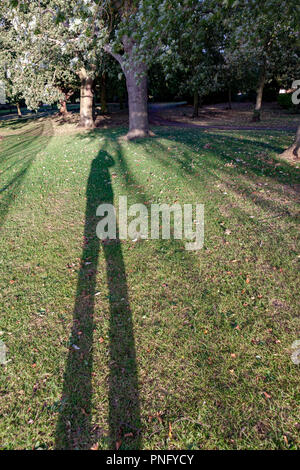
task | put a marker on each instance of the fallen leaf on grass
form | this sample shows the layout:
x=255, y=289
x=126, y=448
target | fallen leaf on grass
x=170, y=431
x=95, y=446
x=118, y=445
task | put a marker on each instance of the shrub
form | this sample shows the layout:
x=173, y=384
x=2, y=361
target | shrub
x=285, y=101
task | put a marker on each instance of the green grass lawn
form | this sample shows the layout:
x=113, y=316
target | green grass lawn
x=178, y=349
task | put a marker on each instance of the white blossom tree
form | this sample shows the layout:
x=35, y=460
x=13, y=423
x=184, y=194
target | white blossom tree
x=52, y=52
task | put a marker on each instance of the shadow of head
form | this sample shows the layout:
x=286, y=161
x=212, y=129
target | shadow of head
x=99, y=188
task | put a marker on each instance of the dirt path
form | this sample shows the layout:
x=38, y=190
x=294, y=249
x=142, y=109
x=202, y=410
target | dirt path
x=157, y=120
x=214, y=117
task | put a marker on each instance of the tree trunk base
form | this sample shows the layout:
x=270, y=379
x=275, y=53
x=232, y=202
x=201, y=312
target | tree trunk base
x=292, y=153
x=86, y=123
x=137, y=134
x=256, y=116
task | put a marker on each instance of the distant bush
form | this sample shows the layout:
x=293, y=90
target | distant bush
x=285, y=101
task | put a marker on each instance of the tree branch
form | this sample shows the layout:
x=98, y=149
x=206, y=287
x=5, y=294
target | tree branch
x=115, y=55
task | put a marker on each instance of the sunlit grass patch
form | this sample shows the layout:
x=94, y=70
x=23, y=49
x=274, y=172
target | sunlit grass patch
x=200, y=343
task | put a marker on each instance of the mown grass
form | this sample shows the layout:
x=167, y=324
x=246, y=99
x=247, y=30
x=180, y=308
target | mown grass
x=178, y=349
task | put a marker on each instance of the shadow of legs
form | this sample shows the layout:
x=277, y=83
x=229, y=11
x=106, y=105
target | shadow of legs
x=74, y=422
x=124, y=409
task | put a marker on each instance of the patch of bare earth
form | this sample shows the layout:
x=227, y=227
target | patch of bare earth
x=69, y=124
x=240, y=115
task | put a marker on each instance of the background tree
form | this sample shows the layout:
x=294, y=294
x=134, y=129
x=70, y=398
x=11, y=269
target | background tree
x=200, y=45
x=136, y=32
x=59, y=49
x=7, y=55
x=37, y=69
x=268, y=33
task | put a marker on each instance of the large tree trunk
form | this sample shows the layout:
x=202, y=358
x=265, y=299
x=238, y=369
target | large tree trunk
x=294, y=150
x=196, y=105
x=86, y=101
x=137, y=102
x=136, y=83
x=103, y=93
x=259, y=95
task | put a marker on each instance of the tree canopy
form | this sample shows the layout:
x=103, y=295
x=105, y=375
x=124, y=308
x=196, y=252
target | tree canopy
x=49, y=46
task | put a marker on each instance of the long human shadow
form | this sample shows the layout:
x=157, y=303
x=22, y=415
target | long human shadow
x=74, y=427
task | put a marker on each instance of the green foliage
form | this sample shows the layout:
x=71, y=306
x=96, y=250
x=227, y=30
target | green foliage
x=266, y=35
x=203, y=46
x=285, y=101
x=41, y=55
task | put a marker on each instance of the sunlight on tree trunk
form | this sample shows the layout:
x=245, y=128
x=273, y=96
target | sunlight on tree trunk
x=86, y=101
x=138, y=105
x=19, y=110
x=137, y=88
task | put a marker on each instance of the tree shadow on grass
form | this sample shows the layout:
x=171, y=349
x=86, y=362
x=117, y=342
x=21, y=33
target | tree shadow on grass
x=221, y=164
x=74, y=428
x=215, y=385
x=17, y=154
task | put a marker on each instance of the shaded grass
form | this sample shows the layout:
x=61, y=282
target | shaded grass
x=200, y=343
